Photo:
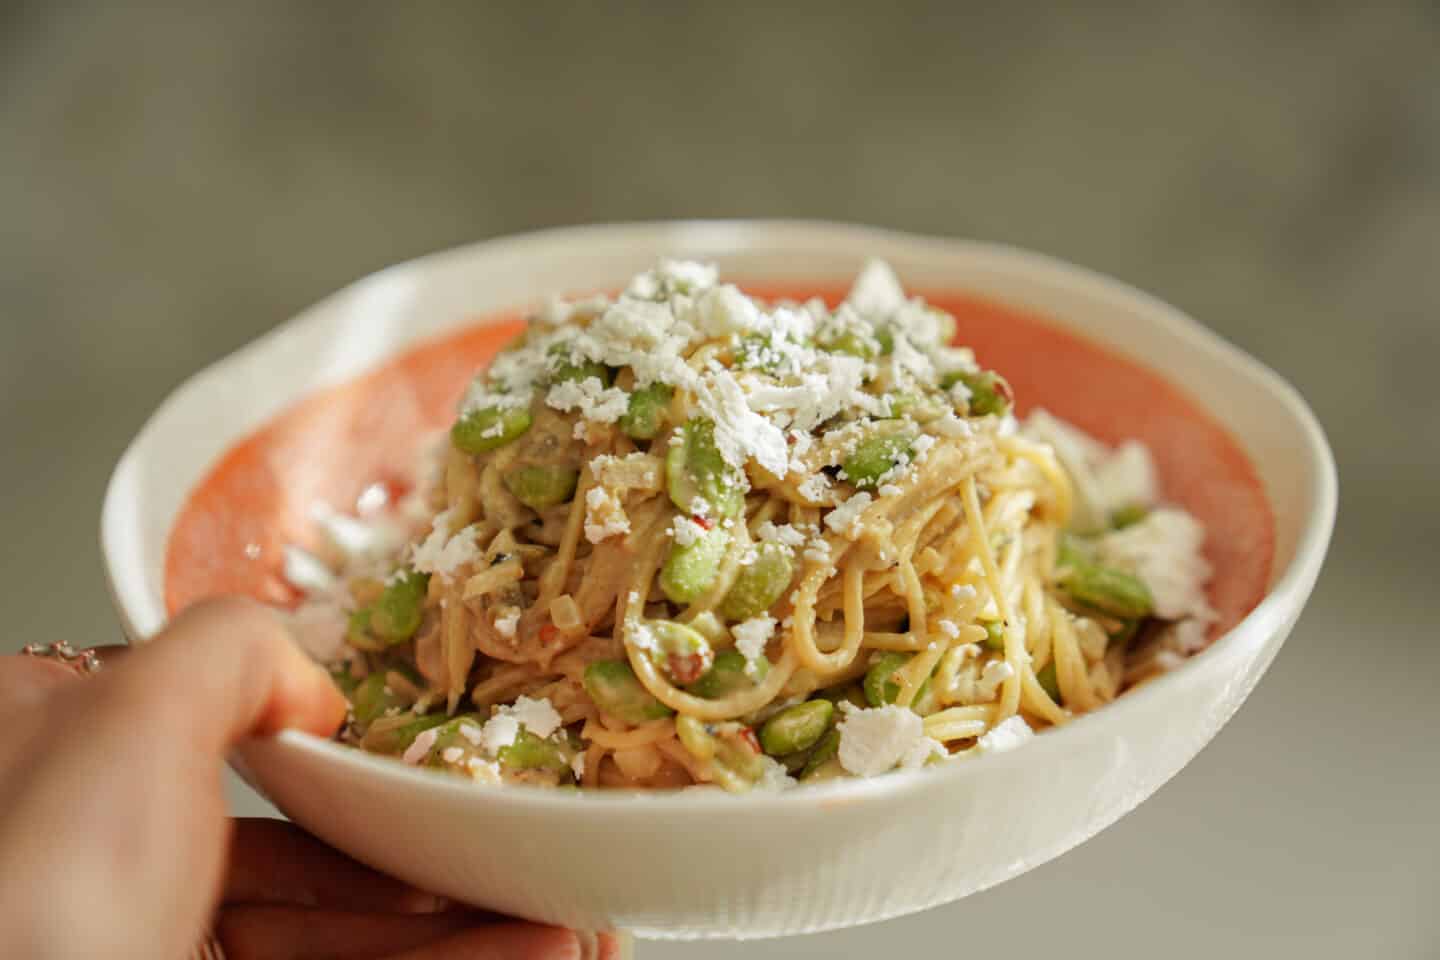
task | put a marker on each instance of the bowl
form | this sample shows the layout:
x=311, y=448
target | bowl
x=223, y=473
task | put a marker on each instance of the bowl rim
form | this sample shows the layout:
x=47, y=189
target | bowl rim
x=1280, y=604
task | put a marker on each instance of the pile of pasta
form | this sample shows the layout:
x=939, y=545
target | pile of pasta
x=682, y=537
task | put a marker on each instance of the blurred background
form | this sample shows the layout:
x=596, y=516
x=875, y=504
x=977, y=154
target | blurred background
x=174, y=183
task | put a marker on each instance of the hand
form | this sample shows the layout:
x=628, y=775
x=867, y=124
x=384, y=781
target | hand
x=114, y=841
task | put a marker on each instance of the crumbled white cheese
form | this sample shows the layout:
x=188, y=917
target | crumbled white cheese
x=358, y=542
x=537, y=714
x=1164, y=551
x=963, y=592
x=1007, y=735
x=845, y=518
x=751, y=637
x=593, y=399
x=1104, y=480
x=784, y=534
x=875, y=741
x=992, y=676
x=686, y=531
x=951, y=426
x=441, y=554
x=471, y=731
x=818, y=551
x=890, y=490
x=605, y=516
x=723, y=310
x=773, y=777
x=814, y=488
x=420, y=746
x=949, y=628
x=577, y=764
x=740, y=433
x=505, y=626
x=876, y=291
x=452, y=754
x=484, y=771
x=500, y=732
x=307, y=572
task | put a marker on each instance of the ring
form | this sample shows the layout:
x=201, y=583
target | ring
x=208, y=949
x=84, y=662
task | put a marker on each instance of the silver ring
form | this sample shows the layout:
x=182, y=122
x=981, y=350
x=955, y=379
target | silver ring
x=85, y=661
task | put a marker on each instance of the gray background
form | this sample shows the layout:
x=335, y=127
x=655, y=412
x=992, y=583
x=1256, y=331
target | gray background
x=173, y=184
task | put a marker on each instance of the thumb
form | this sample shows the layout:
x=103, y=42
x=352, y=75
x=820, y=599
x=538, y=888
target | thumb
x=223, y=670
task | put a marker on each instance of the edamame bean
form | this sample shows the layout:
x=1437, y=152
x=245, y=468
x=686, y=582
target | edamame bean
x=989, y=392
x=760, y=584
x=1049, y=681
x=796, y=728
x=1128, y=516
x=853, y=693
x=397, y=739
x=617, y=691
x=733, y=759
x=879, y=689
x=694, y=469
x=994, y=634
x=572, y=368
x=823, y=755
x=396, y=615
x=489, y=428
x=645, y=411
x=878, y=453
x=922, y=408
x=373, y=699
x=727, y=675
x=1108, y=590
x=541, y=487
x=853, y=343
x=529, y=752
x=691, y=568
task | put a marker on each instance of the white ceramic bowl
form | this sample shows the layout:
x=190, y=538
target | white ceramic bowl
x=703, y=865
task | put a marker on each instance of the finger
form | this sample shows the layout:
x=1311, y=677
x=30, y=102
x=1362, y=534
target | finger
x=27, y=681
x=273, y=861
x=504, y=941
x=223, y=670
x=262, y=932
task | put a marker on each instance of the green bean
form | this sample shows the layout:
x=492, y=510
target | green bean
x=571, y=368
x=994, y=634
x=878, y=453
x=541, y=487
x=759, y=584
x=1049, y=681
x=1108, y=590
x=989, y=392
x=645, y=412
x=694, y=469
x=1128, y=516
x=397, y=613
x=529, y=752
x=823, y=756
x=489, y=428
x=397, y=739
x=373, y=699
x=690, y=569
x=617, y=691
x=727, y=675
x=796, y=728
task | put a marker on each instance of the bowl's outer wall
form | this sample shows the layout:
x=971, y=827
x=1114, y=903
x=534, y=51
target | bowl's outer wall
x=683, y=866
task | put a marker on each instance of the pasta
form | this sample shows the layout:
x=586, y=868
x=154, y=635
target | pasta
x=682, y=537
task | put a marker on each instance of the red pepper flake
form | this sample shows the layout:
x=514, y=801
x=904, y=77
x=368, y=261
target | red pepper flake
x=686, y=668
x=705, y=522
x=549, y=634
x=748, y=735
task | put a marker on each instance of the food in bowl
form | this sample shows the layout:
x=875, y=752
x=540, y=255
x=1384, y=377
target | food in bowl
x=685, y=537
